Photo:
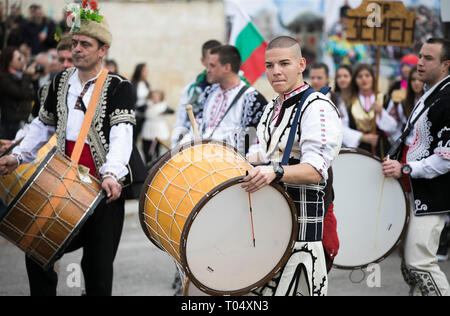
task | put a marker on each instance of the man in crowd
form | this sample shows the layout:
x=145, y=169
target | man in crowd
x=106, y=154
x=229, y=107
x=426, y=161
x=190, y=95
x=319, y=75
x=315, y=144
x=16, y=92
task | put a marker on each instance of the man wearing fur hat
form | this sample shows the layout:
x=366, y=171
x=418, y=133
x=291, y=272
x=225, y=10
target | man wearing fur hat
x=106, y=151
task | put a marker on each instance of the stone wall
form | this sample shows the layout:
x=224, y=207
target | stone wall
x=167, y=35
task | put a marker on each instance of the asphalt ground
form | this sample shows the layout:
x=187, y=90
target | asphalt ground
x=141, y=269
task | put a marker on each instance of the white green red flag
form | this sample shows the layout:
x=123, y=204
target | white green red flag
x=247, y=39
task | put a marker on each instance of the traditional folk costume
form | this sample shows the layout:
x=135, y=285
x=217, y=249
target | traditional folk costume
x=359, y=118
x=190, y=95
x=106, y=153
x=396, y=111
x=397, y=108
x=317, y=142
x=228, y=115
x=427, y=152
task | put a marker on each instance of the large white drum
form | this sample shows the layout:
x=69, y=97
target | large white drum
x=194, y=208
x=372, y=210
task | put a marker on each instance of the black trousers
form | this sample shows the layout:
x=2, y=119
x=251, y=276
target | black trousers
x=99, y=237
x=150, y=154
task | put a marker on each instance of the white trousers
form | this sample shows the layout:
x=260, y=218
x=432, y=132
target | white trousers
x=420, y=264
x=305, y=273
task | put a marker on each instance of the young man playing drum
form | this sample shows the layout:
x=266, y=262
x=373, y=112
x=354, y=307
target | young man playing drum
x=316, y=143
x=426, y=162
x=106, y=151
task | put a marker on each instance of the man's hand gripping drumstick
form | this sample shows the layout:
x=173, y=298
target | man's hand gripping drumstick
x=392, y=168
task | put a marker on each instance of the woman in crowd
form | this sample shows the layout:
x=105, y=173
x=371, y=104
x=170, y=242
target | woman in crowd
x=400, y=106
x=155, y=127
x=365, y=120
x=141, y=91
x=342, y=84
x=16, y=91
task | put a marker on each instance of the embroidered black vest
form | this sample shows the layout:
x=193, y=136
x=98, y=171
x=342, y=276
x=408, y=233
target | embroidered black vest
x=114, y=106
x=431, y=196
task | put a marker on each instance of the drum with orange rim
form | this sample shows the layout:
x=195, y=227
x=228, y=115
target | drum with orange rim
x=11, y=184
x=194, y=208
x=50, y=208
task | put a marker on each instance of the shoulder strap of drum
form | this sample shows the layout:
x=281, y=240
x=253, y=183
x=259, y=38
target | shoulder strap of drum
x=410, y=125
x=79, y=144
x=290, y=142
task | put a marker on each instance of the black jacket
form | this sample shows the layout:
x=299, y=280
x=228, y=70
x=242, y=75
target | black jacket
x=16, y=97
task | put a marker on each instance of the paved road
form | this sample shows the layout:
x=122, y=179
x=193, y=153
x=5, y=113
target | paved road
x=142, y=269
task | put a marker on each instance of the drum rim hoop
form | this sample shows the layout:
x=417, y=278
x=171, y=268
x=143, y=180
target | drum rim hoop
x=221, y=187
x=154, y=170
x=347, y=150
x=53, y=151
x=27, y=184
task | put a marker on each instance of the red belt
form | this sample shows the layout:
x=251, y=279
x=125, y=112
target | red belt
x=85, y=159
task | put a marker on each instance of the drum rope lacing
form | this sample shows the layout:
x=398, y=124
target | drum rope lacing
x=209, y=174
x=57, y=218
x=20, y=179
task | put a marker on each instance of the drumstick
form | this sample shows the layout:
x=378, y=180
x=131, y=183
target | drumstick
x=162, y=143
x=10, y=148
x=251, y=218
x=193, y=122
x=379, y=208
x=251, y=214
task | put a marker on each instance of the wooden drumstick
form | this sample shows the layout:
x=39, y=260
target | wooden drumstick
x=251, y=214
x=162, y=143
x=193, y=122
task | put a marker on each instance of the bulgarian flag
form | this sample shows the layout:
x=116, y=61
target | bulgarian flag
x=247, y=39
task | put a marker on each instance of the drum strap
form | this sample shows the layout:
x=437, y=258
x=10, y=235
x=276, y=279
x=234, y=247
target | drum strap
x=290, y=142
x=410, y=125
x=89, y=115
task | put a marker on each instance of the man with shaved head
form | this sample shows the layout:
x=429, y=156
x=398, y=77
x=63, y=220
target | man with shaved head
x=301, y=169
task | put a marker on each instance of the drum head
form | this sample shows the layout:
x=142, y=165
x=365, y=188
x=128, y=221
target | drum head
x=217, y=249
x=372, y=211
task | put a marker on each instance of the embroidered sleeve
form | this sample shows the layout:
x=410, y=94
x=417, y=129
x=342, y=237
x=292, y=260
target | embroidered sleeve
x=48, y=104
x=254, y=105
x=321, y=136
x=122, y=105
x=202, y=101
x=437, y=163
x=122, y=116
x=443, y=146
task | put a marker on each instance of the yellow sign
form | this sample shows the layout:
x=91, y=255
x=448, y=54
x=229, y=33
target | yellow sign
x=381, y=23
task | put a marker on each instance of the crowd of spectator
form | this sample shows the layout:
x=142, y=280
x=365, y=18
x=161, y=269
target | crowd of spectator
x=28, y=60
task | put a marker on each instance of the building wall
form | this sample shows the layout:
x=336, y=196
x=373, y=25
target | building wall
x=166, y=35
